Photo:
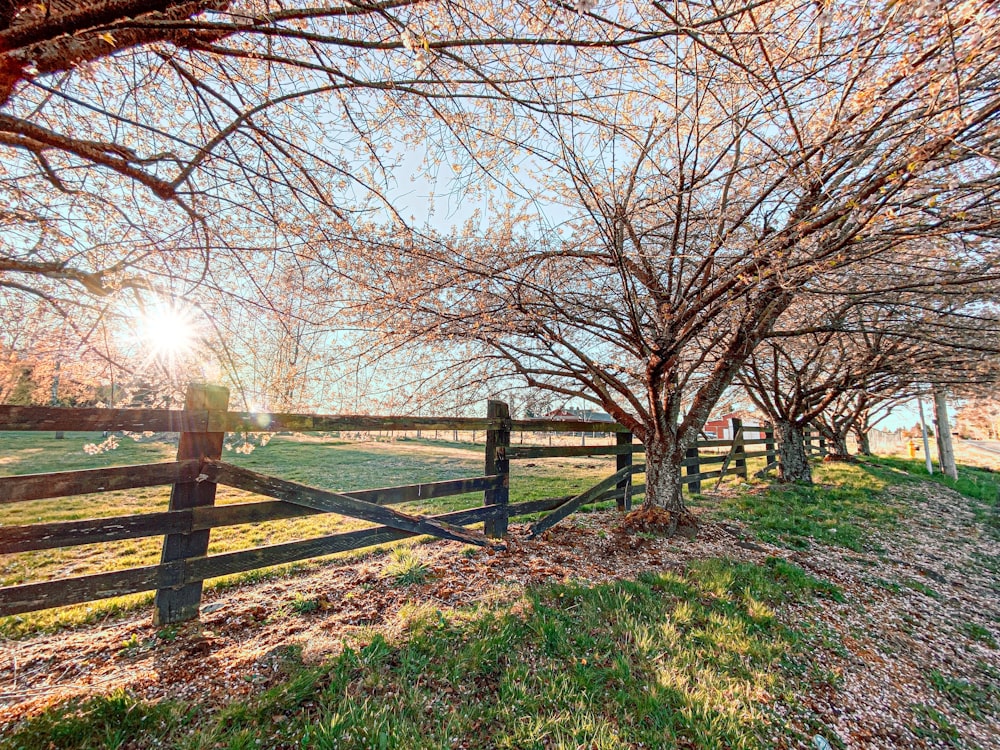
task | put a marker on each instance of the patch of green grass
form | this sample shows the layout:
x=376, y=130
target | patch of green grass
x=932, y=725
x=839, y=509
x=169, y=633
x=971, y=698
x=920, y=588
x=405, y=568
x=304, y=605
x=106, y=722
x=891, y=586
x=692, y=659
x=978, y=633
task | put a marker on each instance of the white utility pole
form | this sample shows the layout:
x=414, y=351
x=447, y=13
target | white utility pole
x=923, y=429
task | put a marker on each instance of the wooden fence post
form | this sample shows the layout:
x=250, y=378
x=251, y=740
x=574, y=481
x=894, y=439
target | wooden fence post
x=623, y=461
x=739, y=448
x=822, y=445
x=693, y=469
x=181, y=603
x=497, y=442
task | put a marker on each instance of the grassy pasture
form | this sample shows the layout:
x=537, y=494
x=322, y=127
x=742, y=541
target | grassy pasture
x=315, y=460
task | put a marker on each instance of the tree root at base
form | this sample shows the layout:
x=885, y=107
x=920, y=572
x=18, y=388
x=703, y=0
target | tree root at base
x=656, y=520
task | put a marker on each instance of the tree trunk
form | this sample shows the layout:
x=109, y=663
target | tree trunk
x=663, y=477
x=946, y=452
x=836, y=438
x=838, y=445
x=793, y=463
x=864, y=443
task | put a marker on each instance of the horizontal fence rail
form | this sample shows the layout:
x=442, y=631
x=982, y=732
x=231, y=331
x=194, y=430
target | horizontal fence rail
x=66, y=419
x=192, y=513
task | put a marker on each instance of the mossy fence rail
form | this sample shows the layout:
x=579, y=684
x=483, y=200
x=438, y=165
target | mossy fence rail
x=192, y=513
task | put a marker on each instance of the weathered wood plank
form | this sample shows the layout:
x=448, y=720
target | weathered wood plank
x=568, y=451
x=623, y=461
x=497, y=463
x=739, y=448
x=57, y=418
x=550, y=503
x=279, y=554
x=429, y=490
x=734, y=450
x=91, y=531
x=709, y=459
x=763, y=472
x=537, y=506
x=715, y=443
x=699, y=477
x=572, y=504
x=567, y=425
x=692, y=469
x=116, y=528
x=45, y=418
x=15, y=600
x=334, y=502
x=27, y=487
x=280, y=422
x=729, y=443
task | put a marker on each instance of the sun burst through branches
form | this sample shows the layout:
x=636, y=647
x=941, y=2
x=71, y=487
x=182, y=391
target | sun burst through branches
x=169, y=333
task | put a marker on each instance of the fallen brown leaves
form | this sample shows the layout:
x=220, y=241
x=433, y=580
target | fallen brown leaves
x=654, y=520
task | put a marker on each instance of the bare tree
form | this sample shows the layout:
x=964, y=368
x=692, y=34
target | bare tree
x=243, y=118
x=700, y=197
x=198, y=152
x=825, y=378
x=839, y=361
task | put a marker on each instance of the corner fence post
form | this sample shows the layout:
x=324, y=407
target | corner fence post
x=624, y=460
x=739, y=448
x=692, y=468
x=822, y=445
x=179, y=603
x=497, y=442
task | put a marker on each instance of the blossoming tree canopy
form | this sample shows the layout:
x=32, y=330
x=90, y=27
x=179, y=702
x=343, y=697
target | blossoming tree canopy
x=699, y=194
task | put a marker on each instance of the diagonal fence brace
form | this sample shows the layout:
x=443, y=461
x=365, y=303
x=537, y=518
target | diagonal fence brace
x=575, y=502
x=335, y=502
x=729, y=456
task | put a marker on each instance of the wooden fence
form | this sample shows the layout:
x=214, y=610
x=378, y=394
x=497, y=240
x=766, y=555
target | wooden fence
x=198, y=469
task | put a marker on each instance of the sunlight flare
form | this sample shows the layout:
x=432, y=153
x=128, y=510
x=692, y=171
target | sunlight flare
x=169, y=333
